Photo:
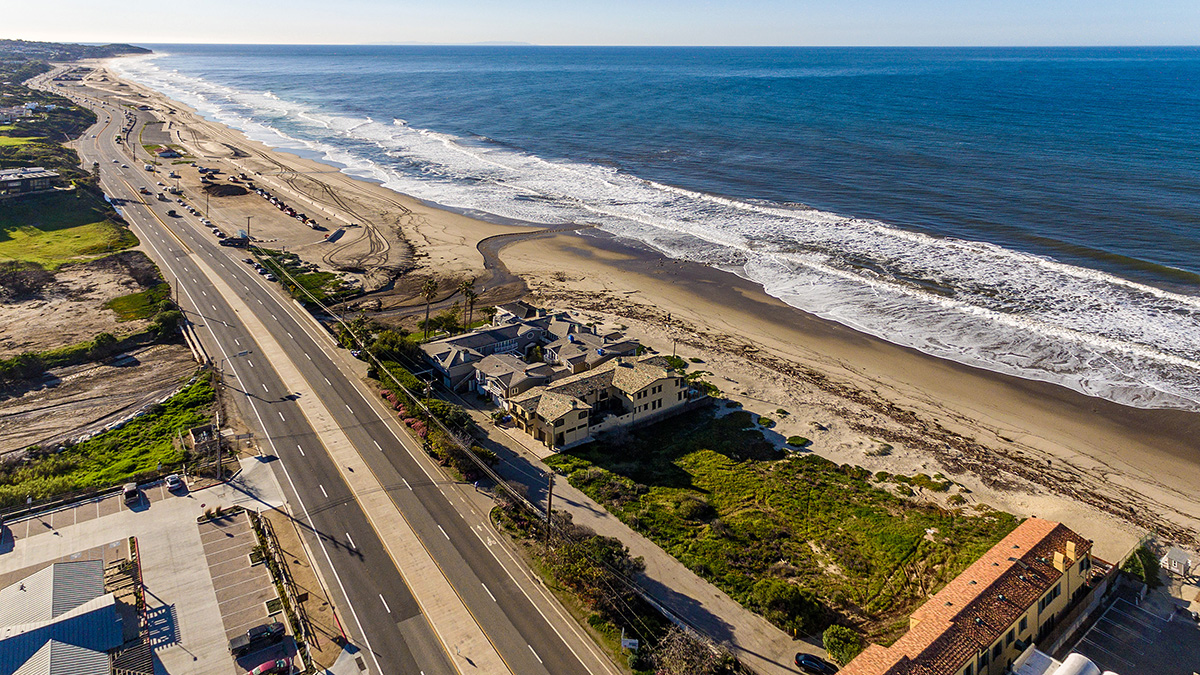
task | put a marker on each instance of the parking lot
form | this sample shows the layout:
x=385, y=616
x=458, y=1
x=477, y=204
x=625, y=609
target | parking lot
x=1132, y=639
x=188, y=612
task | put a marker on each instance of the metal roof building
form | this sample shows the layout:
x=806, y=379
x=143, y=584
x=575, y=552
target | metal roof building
x=63, y=604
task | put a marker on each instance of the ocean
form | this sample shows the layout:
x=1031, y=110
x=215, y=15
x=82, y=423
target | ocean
x=1029, y=211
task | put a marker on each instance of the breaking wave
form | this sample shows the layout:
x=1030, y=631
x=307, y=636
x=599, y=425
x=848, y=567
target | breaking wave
x=972, y=302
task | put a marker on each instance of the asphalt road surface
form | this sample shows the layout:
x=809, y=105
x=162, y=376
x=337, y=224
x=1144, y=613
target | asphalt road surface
x=377, y=606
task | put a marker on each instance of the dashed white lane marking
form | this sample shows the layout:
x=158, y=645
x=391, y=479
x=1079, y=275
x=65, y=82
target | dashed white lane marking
x=406, y=483
x=301, y=451
x=348, y=408
x=535, y=655
x=444, y=533
x=328, y=382
x=282, y=417
x=265, y=389
x=323, y=492
x=250, y=362
x=488, y=592
x=308, y=357
x=389, y=610
x=353, y=546
x=214, y=307
x=259, y=301
x=237, y=342
x=290, y=335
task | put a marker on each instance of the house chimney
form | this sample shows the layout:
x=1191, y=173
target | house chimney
x=1071, y=551
x=1060, y=562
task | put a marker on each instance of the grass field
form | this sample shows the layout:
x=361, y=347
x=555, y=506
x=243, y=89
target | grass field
x=115, y=456
x=8, y=141
x=759, y=525
x=53, y=229
x=140, y=305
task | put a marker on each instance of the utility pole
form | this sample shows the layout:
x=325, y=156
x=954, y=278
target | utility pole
x=549, y=502
x=248, y=227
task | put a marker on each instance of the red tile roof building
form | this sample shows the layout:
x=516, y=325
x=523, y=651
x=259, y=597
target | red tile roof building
x=985, y=617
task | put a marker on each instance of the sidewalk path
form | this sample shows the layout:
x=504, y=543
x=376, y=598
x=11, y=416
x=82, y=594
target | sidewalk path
x=755, y=641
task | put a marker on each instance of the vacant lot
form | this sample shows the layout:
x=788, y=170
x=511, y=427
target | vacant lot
x=797, y=538
x=114, y=456
x=54, y=229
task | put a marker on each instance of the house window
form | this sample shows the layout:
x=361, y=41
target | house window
x=969, y=670
x=1008, y=639
x=1023, y=625
x=996, y=650
x=1049, y=598
x=558, y=423
x=983, y=661
x=583, y=415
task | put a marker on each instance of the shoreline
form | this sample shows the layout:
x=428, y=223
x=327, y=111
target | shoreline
x=990, y=431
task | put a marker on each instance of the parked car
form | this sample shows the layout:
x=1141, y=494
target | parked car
x=130, y=494
x=174, y=482
x=814, y=665
x=271, y=277
x=276, y=666
x=256, y=638
x=248, y=261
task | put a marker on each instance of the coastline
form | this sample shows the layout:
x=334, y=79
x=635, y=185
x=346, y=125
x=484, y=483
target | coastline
x=1030, y=447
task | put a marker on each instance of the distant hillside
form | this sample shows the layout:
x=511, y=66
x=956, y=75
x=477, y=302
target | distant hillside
x=55, y=51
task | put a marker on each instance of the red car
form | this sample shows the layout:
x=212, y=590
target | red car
x=271, y=667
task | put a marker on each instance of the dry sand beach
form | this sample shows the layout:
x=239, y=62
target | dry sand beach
x=1031, y=448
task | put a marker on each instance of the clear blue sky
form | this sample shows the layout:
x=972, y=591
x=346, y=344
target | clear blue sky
x=612, y=22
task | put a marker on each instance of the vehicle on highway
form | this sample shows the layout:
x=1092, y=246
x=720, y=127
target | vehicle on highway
x=256, y=638
x=815, y=665
x=173, y=482
x=130, y=494
x=272, y=667
x=172, y=213
x=148, y=167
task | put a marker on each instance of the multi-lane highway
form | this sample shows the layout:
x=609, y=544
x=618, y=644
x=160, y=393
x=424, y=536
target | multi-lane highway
x=381, y=613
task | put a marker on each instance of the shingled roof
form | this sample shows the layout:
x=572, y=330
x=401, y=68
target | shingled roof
x=977, y=606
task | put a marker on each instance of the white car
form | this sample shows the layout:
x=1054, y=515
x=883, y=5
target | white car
x=116, y=162
x=124, y=166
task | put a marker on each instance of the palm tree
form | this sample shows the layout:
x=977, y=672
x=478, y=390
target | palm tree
x=467, y=288
x=428, y=291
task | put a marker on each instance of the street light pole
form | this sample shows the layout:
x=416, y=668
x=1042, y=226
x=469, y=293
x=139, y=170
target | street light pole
x=248, y=227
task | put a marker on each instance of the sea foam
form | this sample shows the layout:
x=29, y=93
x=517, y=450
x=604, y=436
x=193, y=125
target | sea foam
x=972, y=302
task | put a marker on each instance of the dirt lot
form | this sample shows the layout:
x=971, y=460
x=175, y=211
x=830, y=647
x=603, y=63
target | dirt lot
x=86, y=397
x=71, y=309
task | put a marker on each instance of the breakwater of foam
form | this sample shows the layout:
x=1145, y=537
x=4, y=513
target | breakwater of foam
x=969, y=301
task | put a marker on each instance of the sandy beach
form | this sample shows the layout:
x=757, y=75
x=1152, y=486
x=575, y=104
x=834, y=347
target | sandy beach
x=1110, y=472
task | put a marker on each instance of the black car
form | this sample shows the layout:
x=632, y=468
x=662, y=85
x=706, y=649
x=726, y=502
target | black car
x=256, y=638
x=814, y=665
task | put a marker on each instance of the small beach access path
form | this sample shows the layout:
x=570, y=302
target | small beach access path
x=756, y=642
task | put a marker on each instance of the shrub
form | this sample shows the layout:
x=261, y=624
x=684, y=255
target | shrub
x=693, y=359
x=842, y=643
x=786, y=605
x=781, y=412
x=798, y=441
x=1143, y=565
x=766, y=422
x=677, y=363
x=956, y=500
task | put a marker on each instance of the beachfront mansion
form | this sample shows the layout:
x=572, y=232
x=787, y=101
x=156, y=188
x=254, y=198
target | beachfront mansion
x=562, y=381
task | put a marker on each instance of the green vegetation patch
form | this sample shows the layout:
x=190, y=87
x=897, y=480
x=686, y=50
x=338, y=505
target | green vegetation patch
x=302, y=282
x=7, y=141
x=115, y=456
x=141, y=305
x=716, y=495
x=53, y=229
